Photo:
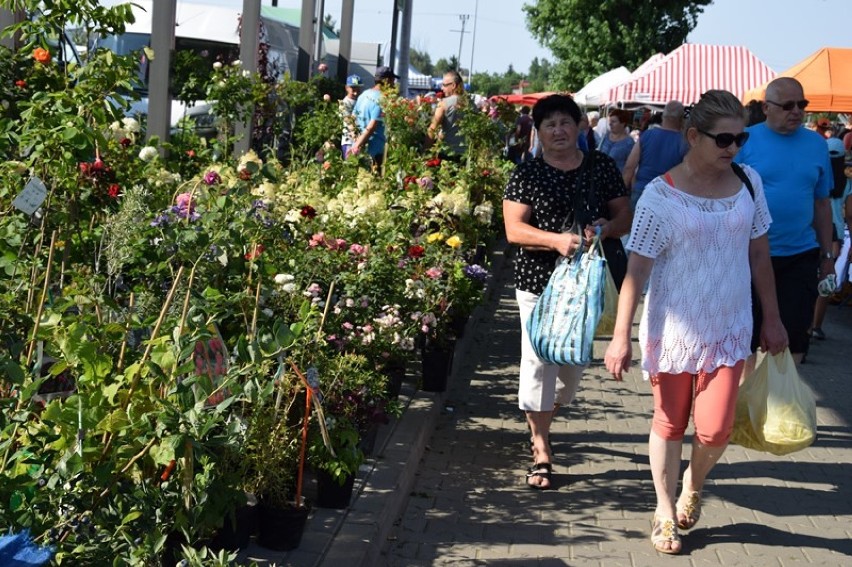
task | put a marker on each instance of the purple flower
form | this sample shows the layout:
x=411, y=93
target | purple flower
x=212, y=178
x=475, y=272
x=162, y=219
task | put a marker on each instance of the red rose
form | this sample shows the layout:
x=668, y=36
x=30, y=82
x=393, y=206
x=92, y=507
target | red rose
x=114, y=190
x=416, y=251
x=308, y=212
x=409, y=179
x=190, y=153
x=21, y=84
x=434, y=162
x=486, y=173
x=125, y=142
x=257, y=251
x=84, y=168
x=245, y=174
x=98, y=164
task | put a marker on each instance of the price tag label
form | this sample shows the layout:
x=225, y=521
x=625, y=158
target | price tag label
x=31, y=198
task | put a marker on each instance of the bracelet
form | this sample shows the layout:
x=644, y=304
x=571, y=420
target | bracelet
x=828, y=256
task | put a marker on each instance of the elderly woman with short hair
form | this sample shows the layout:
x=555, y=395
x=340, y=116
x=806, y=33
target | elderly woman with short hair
x=539, y=201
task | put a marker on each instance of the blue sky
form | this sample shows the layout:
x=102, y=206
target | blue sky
x=780, y=32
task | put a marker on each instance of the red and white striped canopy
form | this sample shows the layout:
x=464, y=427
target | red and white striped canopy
x=692, y=69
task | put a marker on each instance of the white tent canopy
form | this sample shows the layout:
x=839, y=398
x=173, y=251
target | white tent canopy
x=595, y=92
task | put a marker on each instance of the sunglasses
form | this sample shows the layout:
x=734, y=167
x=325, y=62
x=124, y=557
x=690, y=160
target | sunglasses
x=725, y=139
x=788, y=106
x=447, y=84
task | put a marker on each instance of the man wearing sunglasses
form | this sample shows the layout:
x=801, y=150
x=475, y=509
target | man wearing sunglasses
x=796, y=171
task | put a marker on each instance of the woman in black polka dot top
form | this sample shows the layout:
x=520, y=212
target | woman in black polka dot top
x=540, y=199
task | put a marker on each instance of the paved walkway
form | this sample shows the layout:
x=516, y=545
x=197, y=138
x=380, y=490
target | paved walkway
x=465, y=502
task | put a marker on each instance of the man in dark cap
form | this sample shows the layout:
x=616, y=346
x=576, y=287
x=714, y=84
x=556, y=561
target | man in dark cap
x=370, y=118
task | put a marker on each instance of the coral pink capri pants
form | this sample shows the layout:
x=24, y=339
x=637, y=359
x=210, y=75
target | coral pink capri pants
x=710, y=396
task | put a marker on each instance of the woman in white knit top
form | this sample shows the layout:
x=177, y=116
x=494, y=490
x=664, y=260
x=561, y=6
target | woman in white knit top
x=700, y=236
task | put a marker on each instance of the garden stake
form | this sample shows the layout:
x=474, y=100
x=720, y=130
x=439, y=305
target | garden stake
x=253, y=330
x=301, y=470
x=43, y=297
x=127, y=323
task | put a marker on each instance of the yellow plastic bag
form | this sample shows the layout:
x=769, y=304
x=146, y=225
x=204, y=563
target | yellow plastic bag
x=776, y=410
x=606, y=325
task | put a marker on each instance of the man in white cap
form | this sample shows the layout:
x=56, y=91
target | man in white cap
x=347, y=106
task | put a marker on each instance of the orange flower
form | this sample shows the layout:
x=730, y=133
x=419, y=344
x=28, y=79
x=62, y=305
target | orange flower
x=41, y=55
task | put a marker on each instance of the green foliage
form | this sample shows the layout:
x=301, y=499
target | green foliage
x=589, y=37
x=421, y=61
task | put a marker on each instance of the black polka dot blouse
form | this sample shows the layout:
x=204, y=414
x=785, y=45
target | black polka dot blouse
x=551, y=193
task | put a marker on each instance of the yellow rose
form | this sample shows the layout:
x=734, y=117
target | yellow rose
x=454, y=242
x=435, y=236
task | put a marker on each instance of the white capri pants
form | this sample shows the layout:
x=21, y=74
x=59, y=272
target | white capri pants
x=542, y=385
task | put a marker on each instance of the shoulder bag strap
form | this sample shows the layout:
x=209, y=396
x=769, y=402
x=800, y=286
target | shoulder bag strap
x=742, y=175
x=579, y=196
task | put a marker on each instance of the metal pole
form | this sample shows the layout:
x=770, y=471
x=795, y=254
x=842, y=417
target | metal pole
x=344, y=53
x=473, y=42
x=163, y=43
x=320, y=18
x=306, y=40
x=394, y=28
x=249, y=32
x=463, y=18
x=9, y=18
x=405, y=46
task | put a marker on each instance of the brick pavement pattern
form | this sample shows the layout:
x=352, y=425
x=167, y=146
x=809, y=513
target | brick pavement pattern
x=470, y=506
x=447, y=484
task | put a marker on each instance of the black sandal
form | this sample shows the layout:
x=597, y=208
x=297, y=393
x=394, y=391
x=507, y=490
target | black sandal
x=542, y=470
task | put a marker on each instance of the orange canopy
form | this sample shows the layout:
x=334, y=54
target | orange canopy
x=826, y=77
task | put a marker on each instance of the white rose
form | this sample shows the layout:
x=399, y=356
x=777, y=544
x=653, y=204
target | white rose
x=131, y=125
x=217, y=65
x=148, y=153
x=237, y=63
x=282, y=279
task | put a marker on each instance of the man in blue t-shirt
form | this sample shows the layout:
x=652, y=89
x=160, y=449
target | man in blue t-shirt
x=369, y=118
x=796, y=172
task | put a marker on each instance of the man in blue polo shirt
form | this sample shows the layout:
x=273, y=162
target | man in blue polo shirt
x=369, y=117
x=796, y=172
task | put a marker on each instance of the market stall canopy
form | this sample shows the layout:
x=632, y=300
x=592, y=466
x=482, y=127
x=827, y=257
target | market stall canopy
x=594, y=92
x=523, y=99
x=692, y=69
x=826, y=77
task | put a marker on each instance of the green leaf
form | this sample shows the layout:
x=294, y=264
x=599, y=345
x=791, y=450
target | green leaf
x=130, y=517
x=114, y=422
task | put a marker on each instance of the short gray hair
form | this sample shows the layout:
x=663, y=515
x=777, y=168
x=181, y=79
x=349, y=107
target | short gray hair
x=673, y=109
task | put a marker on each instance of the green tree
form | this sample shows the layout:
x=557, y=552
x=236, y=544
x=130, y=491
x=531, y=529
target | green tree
x=421, y=61
x=589, y=37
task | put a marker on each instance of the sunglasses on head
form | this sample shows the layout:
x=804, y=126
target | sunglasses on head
x=725, y=139
x=788, y=106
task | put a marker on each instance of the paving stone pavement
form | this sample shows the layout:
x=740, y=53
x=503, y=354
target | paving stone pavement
x=465, y=502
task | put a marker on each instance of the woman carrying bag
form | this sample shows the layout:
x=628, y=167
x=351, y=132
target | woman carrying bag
x=540, y=199
x=700, y=236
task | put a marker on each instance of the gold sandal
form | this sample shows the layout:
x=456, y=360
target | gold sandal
x=665, y=530
x=688, y=510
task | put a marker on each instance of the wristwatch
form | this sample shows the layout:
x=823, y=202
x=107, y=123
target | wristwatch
x=828, y=256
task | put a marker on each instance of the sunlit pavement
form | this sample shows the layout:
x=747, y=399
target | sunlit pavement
x=465, y=502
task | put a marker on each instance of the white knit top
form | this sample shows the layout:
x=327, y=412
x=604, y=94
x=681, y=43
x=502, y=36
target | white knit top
x=698, y=308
